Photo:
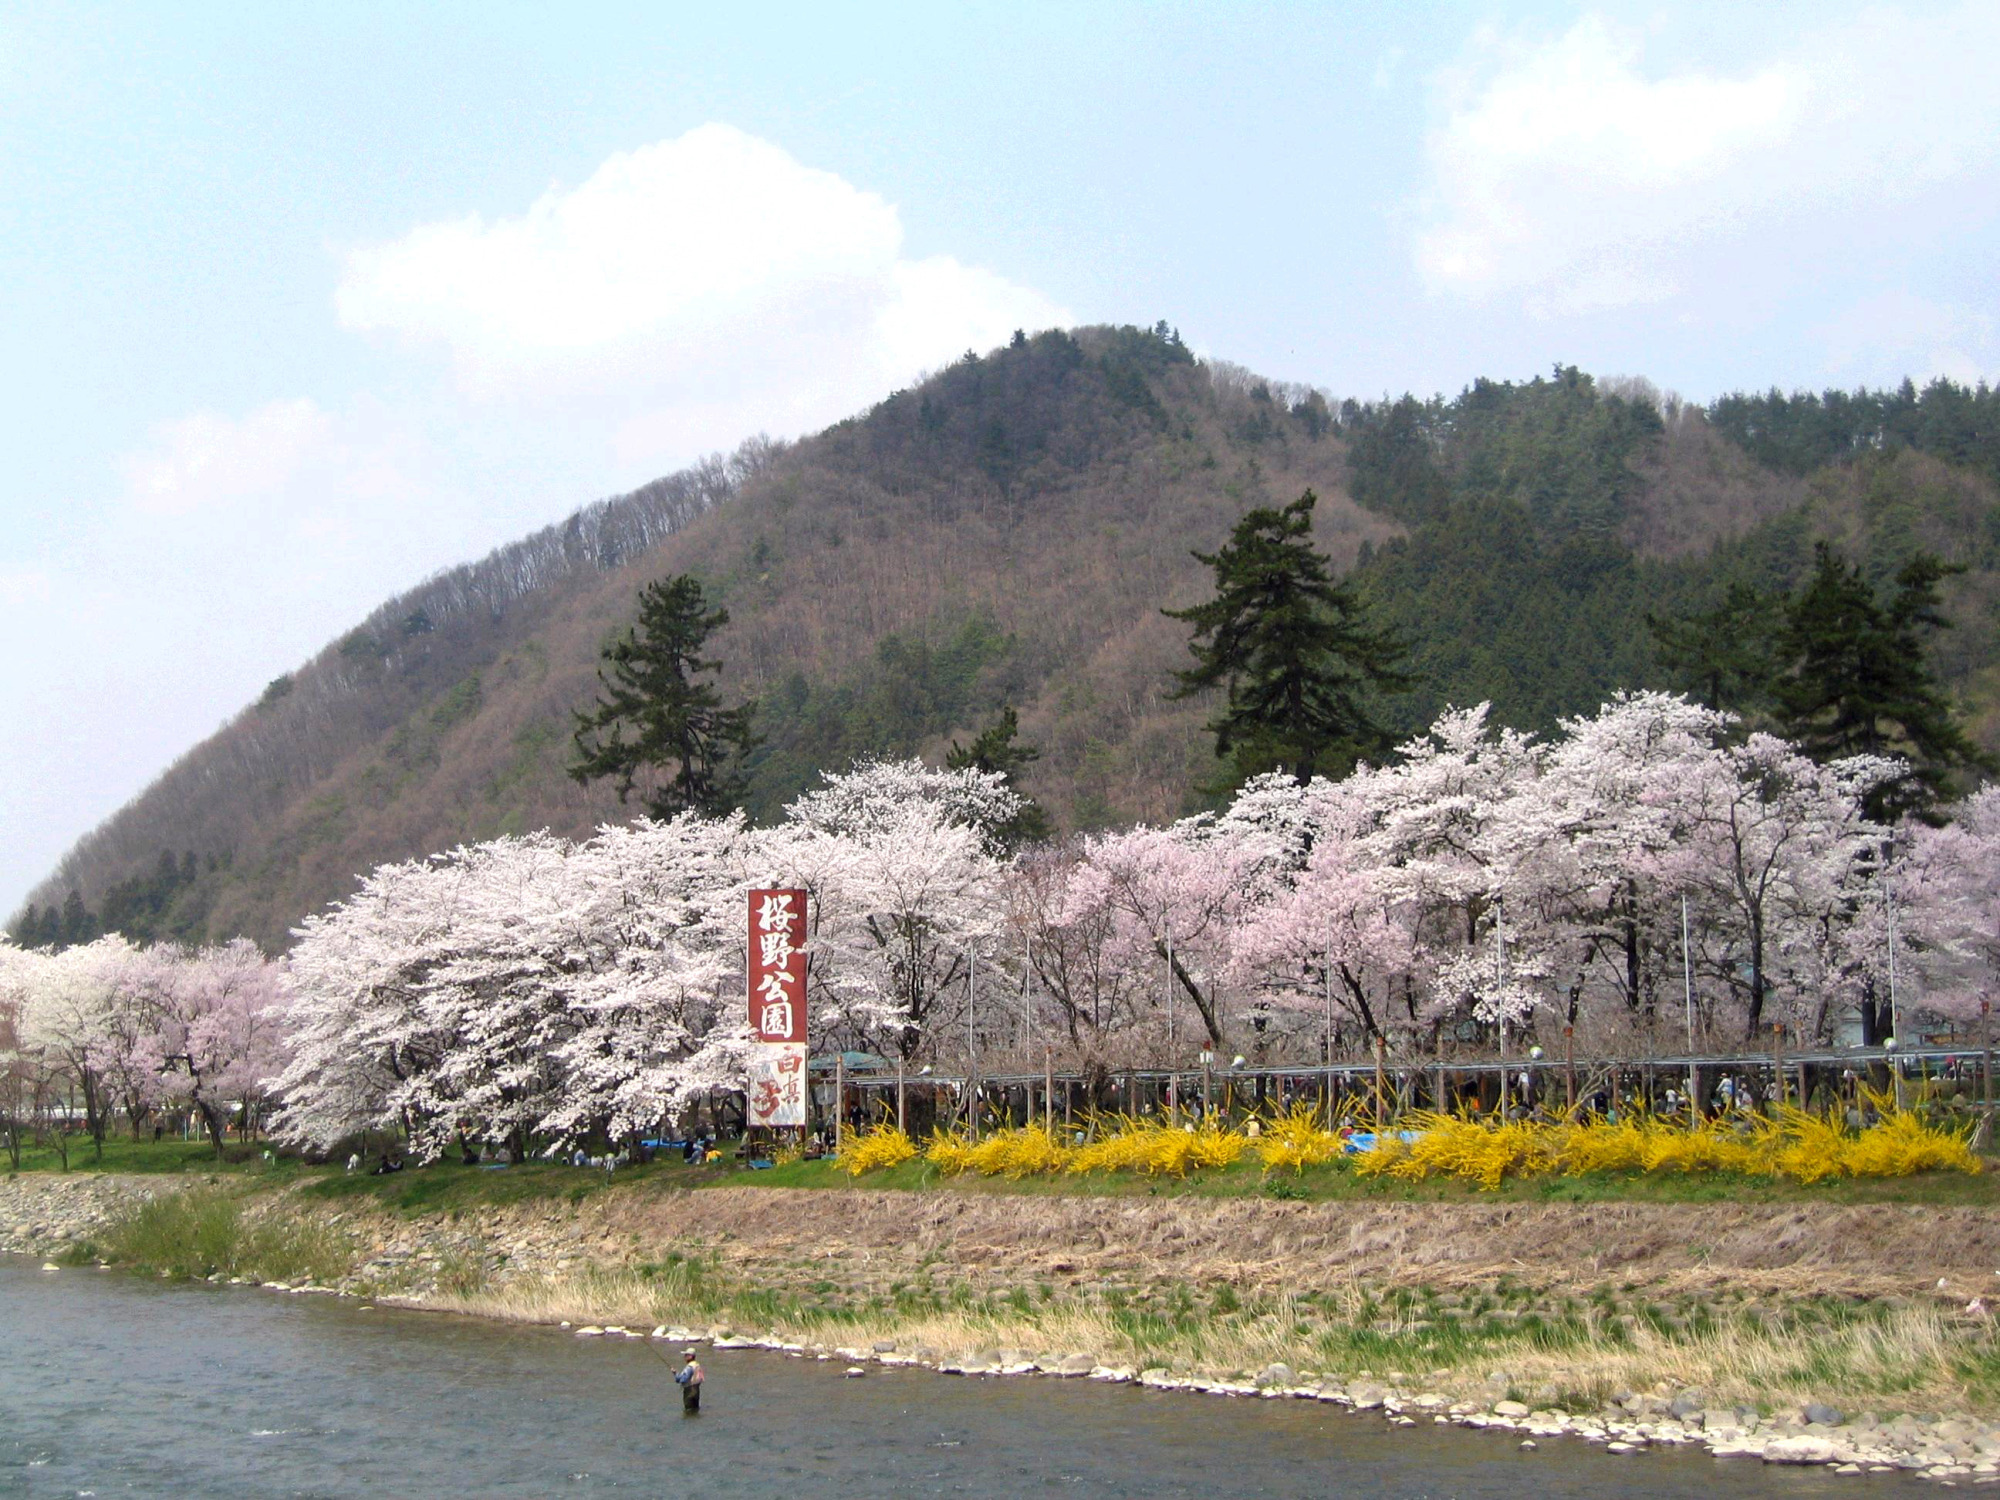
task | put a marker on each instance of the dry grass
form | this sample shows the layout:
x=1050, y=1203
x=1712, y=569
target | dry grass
x=1891, y=1358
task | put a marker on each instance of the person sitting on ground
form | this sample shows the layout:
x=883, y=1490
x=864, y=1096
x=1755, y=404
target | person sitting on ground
x=689, y=1378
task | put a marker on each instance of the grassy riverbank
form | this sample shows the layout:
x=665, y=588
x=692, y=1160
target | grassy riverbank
x=1217, y=1280
x=1570, y=1346
x=1507, y=1341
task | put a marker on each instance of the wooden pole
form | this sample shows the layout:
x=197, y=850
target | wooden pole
x=1778, y=1058
x=1048, y=1090
x=1569, y=1066
x=902, y=1104
x=1439, y=1103
x=1381, y=1107
x=1986, y=1057
x=839, y=1098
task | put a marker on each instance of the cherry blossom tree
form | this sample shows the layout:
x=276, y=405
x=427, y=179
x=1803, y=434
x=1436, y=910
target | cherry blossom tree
x=68, y=1019
x=214, y=1023
x=19, y=969
x=360, y=1035
x=902, y=867
x=654, y=1018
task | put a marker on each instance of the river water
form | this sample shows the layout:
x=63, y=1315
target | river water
x=112, y=1385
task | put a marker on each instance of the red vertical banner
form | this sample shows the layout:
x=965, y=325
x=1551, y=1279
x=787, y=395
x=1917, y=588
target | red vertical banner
x=777, y=1007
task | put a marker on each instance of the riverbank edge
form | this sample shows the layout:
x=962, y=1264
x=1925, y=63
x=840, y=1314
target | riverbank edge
x=1950, y=1448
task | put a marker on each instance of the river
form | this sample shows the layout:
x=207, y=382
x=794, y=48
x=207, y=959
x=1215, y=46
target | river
x=112, y=1385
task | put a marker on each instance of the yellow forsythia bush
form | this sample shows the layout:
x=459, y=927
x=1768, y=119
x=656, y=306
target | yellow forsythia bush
x=1297, y=1140
x=870, y=1150
x=1483, y=1152
x=1791, y=1143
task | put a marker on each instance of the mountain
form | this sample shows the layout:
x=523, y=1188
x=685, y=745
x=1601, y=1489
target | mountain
x=1007, y=533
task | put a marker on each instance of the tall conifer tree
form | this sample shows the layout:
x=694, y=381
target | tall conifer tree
x=656, y=712
x=1293, y=649
x=999, y=750
x=1856, y=682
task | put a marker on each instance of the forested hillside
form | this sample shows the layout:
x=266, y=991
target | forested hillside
x=1007, y=533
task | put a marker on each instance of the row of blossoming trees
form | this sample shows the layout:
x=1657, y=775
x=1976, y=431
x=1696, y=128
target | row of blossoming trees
x=109, y=1033
x=538, y=993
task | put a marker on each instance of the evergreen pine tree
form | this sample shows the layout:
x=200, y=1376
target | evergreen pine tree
x=1855, y=680
x=77, y=924
x=998, y=749
x=657, y=713
x=1293, y=650
x=1723, y=655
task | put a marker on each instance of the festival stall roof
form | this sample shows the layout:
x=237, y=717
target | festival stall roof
x=854, y=1062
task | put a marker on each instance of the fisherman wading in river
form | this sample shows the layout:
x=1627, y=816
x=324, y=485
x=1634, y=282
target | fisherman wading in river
x=688, y=1377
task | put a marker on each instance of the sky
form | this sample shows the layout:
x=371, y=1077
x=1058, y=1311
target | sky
x=302, y=303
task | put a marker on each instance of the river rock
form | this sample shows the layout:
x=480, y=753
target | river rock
x=1510, y=1409
x=1826, y=1416
x=1276, y=1374
x=1799, y=1450
x=1074, y=1364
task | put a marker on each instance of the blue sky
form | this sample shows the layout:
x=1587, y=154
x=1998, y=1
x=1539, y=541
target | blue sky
x=303, y=303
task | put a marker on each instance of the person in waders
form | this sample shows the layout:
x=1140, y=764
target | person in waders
x=688, y=1377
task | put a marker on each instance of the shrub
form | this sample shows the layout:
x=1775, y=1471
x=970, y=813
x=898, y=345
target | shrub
x=1297, y=1140
x=1789, y=1143
x=871, y=1150
x=203, y=1232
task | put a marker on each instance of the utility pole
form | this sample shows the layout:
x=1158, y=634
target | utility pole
x=971, y=1043
x=1500, y=1001
x=1895, y=1018
x=1687, y=994
x=1326, y=1051
x=1173, y=1078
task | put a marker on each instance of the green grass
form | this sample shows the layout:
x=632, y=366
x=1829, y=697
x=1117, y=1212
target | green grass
x=123, y=1154
x=1336, y=1183
x=205, y=1232
x=446, y=1186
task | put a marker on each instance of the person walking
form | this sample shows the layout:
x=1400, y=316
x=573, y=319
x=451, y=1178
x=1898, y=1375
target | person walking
x=689, y=1378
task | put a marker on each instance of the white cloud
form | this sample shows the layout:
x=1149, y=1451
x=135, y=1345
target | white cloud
x=703, y=287
x=1571, y=172
x=204, y=460
x=24, y=586
x=1896, y=329
x=287, y=473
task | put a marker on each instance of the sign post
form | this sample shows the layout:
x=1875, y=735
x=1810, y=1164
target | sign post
x=777, y=1000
